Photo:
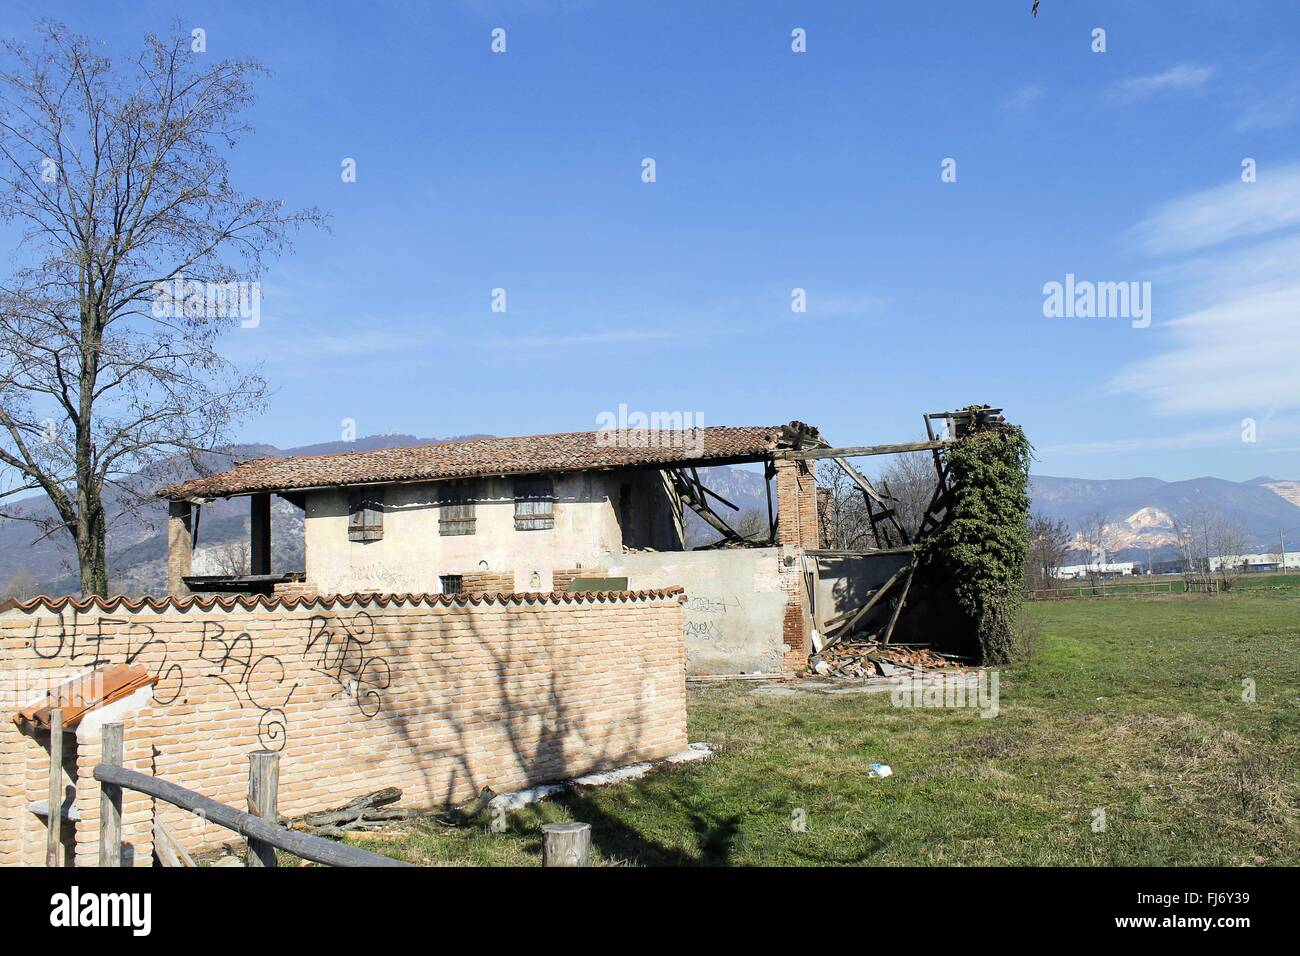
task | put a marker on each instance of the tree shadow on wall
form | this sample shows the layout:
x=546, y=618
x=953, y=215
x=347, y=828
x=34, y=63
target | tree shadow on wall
x=547, y=743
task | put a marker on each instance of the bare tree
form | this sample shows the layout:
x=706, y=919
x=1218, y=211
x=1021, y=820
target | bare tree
x=751, y=523
x=1098, y=539
x=21, y=586
x=1049, y=543
x=841, y=511
x=134, y=243
x=910, y=480
x=230, y=557
x=1193, y=528
x=1228, y=542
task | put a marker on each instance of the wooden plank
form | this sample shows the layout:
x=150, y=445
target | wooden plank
x=162, y=850
x=41, y=808
x=54, y=819
x=880, y=592
x=110, y=798
x=898, y=608
x=709, y=491
x=862, y=482
x=857, y=451
x=263, y=802
x=308, y=847
x=162, y=837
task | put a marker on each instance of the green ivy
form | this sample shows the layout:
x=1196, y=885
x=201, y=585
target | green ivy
x=980, y=551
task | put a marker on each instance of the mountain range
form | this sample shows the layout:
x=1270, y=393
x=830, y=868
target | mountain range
x=1140, y=511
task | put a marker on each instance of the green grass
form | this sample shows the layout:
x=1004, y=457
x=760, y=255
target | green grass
x=1133, y=705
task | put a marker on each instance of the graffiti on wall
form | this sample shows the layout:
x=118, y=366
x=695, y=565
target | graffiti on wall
x=338, y=649
x=341, y=651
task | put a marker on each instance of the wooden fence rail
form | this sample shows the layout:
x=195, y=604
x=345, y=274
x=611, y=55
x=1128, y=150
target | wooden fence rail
x=1118, y=588
x=262, y=834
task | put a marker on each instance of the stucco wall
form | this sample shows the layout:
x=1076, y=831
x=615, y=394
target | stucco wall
x=437, y=696
x=735, y=608
x=412, y=554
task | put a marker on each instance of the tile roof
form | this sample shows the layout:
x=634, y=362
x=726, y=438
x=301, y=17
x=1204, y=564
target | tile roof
x=529, y=454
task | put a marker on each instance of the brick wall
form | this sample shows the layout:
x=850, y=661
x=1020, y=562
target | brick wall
x=796, y=497
x=489, y=582
x=797, y=528
x=561, y=578
x=439, y=696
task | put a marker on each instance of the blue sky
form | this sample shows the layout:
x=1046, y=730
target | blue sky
x=775, y=170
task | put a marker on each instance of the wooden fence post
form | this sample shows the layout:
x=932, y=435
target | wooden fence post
x=54, y=811
x=110, y=798
x=263, y=801
x=566, y=844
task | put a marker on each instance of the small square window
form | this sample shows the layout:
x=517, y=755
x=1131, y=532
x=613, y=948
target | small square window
x=452, y=583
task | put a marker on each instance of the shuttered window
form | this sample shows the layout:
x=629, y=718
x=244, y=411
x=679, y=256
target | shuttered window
x=366, y=514
x=456, y=508
x=534, y=504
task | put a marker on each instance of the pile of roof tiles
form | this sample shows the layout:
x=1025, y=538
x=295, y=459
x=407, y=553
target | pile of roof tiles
x=870, y=658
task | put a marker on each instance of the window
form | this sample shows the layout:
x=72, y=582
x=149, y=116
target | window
x=452, y=583
x=534, y=504
x=366, y=514
x=456, y=508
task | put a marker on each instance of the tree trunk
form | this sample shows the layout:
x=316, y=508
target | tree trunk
x=91, y=548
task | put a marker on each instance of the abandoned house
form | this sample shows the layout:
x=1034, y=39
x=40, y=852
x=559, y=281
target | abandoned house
x=592, y=511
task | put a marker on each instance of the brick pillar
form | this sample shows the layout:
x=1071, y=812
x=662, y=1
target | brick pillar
x=180, y=545
x=796, y=504
x=796, y=529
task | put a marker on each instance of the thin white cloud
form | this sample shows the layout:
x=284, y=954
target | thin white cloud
x=1185, y=78
x=591, y=338
x=1231, y=211
x=1024, y=98
x=1234, y=352
x=1200, y=438
x=1238, y=356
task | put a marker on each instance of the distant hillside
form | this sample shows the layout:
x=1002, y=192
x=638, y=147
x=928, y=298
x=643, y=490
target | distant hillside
x=1143, y=510
x=137, y=537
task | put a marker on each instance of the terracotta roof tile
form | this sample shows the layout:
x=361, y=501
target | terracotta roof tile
x=529, y=454
x=228, y=602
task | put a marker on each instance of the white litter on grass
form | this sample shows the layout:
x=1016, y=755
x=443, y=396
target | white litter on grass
x=509, y=802
x=880, y=770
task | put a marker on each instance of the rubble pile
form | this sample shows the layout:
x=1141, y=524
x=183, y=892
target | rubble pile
x=866, y=657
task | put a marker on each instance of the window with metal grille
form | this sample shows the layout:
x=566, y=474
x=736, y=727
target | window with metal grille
x=456, y=508
x=366, y=514
x=452, y=583
x=534, y=504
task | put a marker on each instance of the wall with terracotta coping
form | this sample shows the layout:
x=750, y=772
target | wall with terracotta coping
x=438, y=695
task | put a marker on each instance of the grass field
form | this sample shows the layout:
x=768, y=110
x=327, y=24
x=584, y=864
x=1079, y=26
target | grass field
x=1172, y=583
x=1133, y=706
